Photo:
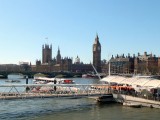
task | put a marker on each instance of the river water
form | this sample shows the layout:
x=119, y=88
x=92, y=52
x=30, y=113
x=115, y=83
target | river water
x=70, y=109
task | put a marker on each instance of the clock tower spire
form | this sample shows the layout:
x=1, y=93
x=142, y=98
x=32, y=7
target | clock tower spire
x=97, y=54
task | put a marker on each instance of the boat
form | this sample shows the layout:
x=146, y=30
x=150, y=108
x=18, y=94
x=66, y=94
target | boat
x=12, y=81
x=106, y=98
x=132, y=104
x=53, y=81
x=45, y=80
x=88, y=75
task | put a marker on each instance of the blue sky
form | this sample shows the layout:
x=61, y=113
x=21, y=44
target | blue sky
x=123, y=26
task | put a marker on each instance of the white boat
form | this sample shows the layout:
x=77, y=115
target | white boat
x=132, y=104
x=12, y=81
x=90, y=76
x=45, y=80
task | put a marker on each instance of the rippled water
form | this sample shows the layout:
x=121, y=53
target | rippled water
x=40, y=108
x=71, y=109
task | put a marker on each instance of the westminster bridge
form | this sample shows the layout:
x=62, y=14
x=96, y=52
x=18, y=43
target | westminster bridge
x=30, y=74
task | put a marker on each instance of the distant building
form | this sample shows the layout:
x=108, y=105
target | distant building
x=9, y=68
x=59, y=63
x=58, y=58
x=146, y=64
x=46, y=54
x=85, y=68
x=122, y=64
x=24, y=66
x=82, y=68
x=141, y=64
x=158, y=65
x=77, y=60
x=50, y=64
x=23, y=63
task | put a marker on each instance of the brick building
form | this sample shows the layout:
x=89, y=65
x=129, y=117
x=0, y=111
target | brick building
x=146, y=64
x=141, y=64
x=122, y=64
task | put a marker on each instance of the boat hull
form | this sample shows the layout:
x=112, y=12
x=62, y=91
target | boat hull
x=106, y=98
x=132, y=104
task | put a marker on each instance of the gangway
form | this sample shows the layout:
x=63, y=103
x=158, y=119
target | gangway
x=27, y=91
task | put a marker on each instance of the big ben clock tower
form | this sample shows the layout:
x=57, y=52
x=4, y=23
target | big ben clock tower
x=97, y=54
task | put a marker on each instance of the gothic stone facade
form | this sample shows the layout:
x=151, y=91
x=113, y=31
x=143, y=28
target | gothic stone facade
x=50, y=64
x=66, y=64
x=97, y=54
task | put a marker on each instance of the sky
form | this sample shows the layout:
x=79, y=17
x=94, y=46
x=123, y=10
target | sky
x=123, y=26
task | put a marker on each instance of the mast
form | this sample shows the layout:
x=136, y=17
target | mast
x=96, y=72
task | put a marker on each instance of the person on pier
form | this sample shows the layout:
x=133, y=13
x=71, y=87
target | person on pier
x=55, y=82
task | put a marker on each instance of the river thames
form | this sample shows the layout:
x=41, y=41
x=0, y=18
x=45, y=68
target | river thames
x=70, y=109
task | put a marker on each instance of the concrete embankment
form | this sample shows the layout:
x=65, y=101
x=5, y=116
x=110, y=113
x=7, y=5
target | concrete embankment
x=144, y=102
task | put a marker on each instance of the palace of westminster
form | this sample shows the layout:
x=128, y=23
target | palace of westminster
x=49, y=64
x=119, y=64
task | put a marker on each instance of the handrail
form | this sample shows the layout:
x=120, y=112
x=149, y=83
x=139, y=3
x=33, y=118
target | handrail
x=63, y=85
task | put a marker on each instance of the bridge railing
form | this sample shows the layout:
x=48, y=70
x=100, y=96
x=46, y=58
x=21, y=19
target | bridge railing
x=9, y=91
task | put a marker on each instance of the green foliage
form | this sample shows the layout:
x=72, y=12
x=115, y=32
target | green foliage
x=40, y=75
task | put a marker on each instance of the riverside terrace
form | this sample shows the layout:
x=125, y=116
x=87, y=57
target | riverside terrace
x=142, y=89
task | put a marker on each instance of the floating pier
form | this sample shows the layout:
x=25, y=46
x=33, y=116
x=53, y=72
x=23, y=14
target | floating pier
x=28, y=91
x=136, y=100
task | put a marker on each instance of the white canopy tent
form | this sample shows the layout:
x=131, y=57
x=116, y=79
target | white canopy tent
x=134, y=81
